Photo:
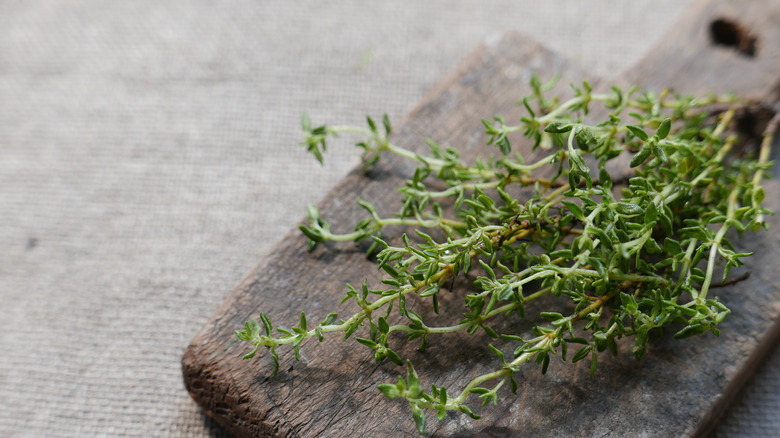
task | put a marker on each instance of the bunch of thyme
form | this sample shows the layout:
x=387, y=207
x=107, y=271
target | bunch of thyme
x=633, y=246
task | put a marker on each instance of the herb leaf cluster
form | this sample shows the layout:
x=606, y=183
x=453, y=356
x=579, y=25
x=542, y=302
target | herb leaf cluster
x=631, y=252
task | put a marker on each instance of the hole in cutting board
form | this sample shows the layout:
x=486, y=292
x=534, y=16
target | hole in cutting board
x=729, y=33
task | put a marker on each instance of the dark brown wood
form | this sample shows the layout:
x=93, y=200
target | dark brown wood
x=678, y=389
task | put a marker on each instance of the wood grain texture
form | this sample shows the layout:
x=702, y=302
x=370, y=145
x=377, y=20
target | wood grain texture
x=678, y=389
x=690, y=60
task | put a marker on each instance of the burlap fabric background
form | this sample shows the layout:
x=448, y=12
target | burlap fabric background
x=149, y=157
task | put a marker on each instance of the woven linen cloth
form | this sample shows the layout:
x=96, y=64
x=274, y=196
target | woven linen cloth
x=149, y=157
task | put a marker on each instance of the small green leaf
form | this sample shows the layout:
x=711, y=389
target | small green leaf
x=442, y=395
x=638, y=132
x=303, y=321
x=528, y=107
x=585, y=137
x=275, y=357
x=690, y=330
x=512, y=384
x=758, y=195
x=389, y=390
x=697, y=233
x=663, y=129
x=466, y=410
x=351, y=329
x=390, y=270
x=575, y=209
x=386, y=123
x=552, y=316
x=266, y=324
x=252, y=353
x=558, y=127
x=371, y=124
x=489, y=330
x=419, y=418
x=652, y=247
x=545, y=362
x=627, y=209
x=605, y=179
x=466, y=262
x=651, y=213
x=384, y=327
x=488, y=269
x=242, y=335
x=658, y=151
x=367, y=342
x=487, y=245
x=412, y=380
x=581, y=353
x=672, y=246
x=497, y=352
x=312, y=234
x=641, y=156
x=394, y=357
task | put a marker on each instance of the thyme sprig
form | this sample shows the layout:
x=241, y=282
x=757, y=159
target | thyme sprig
x=634, y=249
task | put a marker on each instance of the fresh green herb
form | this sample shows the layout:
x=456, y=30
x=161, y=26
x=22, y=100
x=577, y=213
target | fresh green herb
x=643, y=244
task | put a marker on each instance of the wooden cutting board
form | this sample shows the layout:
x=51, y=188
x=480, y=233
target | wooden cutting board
x=678, y=389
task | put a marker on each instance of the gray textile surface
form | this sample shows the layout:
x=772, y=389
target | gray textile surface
x=149, y=158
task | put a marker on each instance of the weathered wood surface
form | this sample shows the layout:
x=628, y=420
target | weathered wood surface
x=678, y=389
